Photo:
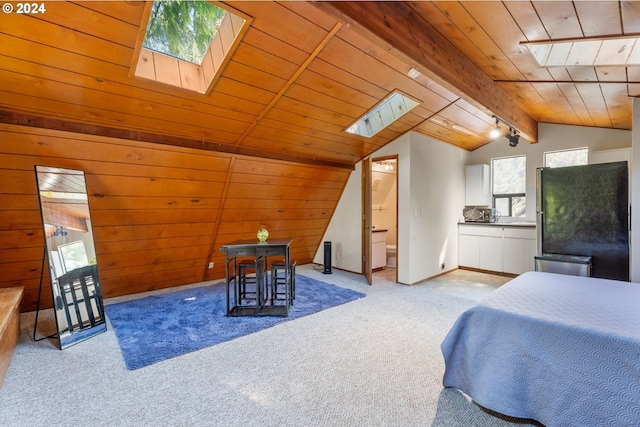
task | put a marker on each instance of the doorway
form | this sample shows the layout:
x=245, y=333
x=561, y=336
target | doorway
x=384, y=216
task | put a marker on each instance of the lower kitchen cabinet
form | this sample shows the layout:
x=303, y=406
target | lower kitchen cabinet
x=469, y=250
x=519, y=250
x=499, y=248
x=491, y=253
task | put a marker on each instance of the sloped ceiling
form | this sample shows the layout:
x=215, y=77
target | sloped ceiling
x=304, y=71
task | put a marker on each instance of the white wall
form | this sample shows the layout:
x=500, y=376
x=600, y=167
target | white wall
x=550, y=138
x=345, y=228
x=437, y=193
x=430, y=201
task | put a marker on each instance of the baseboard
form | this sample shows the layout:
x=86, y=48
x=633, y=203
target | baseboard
x=496, y=273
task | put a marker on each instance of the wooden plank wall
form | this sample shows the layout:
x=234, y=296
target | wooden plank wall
x=160, y=213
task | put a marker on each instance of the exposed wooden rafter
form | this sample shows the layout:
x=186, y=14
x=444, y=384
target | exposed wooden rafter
x=397, y=28
x=291, y=80
x=132, y=135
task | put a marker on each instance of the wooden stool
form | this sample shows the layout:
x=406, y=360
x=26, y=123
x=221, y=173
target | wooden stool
x=81, y=297
x=248, y=285
x=278, y=279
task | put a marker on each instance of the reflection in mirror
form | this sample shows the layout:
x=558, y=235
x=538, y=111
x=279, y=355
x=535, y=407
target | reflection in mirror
x=75, y=285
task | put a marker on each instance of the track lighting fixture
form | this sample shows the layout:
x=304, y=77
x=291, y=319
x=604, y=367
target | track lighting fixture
x=59, y=231
x=495, y=132
x=513, y=137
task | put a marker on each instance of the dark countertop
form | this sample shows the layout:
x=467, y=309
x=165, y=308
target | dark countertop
x=501, y=224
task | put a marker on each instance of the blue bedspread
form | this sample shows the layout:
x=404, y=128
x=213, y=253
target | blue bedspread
x=563, y=350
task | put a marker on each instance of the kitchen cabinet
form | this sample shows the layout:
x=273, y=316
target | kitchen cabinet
x=378, y=249
x=480, y=247
x=491, y=253
x=499, y=248
x=469, y=250
x=519, y=249
x=477, y=188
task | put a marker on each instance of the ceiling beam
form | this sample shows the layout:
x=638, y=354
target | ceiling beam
x=290, y=82
x=21, y=119
x=400, y=30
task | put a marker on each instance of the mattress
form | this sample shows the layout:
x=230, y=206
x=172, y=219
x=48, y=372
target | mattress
x=562, y=350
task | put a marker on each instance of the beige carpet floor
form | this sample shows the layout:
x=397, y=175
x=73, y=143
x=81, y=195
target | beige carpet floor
x=372, y=362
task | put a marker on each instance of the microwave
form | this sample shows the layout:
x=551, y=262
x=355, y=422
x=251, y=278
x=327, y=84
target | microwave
x=480, y=214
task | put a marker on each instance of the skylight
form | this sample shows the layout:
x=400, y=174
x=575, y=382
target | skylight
x=182, y=29
x=187, y=44
x=382, y=115
x=592, y=52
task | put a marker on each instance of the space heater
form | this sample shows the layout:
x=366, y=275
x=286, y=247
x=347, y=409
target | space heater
x=327, y=258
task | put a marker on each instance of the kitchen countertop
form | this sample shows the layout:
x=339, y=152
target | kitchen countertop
x=501, y=224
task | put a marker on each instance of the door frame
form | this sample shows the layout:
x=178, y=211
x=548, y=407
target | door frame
x=366, y=220
x=367, y=206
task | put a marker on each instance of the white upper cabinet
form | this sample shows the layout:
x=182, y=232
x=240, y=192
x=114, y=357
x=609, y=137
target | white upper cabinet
x=478, y=188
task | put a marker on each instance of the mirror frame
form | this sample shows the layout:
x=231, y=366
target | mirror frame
x=75, y=286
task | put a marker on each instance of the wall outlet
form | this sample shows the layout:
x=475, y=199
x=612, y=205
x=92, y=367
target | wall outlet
x=211, y=265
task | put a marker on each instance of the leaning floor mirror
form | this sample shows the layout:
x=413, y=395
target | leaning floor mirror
x=75, y=285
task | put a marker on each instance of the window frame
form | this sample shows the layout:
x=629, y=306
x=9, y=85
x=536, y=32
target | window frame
x=68, y=262
x=508, y=196
x=200, y=78
x=544, y=154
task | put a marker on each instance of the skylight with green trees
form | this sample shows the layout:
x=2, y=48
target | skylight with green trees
x=183, y=29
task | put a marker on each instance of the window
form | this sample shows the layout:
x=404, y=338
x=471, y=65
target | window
x=558, y=159
x=592, y=52
x=73, y=255
x=382, y=115
x=187, y=44
x=509, y=185
x=183, y=29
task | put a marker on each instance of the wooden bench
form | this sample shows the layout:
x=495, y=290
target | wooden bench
x=9, y=326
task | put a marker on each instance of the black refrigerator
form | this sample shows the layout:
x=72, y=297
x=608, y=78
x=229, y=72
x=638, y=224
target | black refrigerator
x=583, y=211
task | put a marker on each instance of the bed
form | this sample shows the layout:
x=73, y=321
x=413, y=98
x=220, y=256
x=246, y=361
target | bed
x=562, y=350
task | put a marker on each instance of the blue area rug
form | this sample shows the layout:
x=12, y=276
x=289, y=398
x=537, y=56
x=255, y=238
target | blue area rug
x=160, y=327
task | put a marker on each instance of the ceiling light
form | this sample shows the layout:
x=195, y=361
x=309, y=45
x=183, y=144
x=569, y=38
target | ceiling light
x=59, y=231
x=495, y=132
x=386, y=165
x=513, y=137
x=413, y=73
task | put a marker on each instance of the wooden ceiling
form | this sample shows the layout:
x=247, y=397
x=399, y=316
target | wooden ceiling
x=303, y=72
x=490, y=33
x=63, y=199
